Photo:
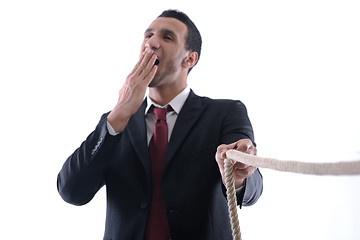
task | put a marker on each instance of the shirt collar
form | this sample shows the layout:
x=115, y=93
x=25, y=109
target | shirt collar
x=176, y=103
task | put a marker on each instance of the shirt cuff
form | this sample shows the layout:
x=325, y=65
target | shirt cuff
x=238, y=190
x=111, y=129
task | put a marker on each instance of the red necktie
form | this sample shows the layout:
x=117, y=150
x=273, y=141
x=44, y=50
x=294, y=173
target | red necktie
x=157, y=227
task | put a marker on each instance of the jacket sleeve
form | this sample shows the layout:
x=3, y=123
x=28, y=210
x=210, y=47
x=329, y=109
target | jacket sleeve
x=82, y=174
x=237, y=126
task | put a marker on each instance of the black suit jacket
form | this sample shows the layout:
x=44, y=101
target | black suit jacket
x=192, y=188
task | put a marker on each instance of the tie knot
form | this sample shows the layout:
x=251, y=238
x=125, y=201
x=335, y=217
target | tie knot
x=160, y=113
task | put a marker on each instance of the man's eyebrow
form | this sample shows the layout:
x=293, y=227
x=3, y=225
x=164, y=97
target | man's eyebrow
x=163, y=31
x=169, y=32
x=149, y=30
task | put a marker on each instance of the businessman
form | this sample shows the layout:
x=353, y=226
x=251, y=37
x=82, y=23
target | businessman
x=162, y=158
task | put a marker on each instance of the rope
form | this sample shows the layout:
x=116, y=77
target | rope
x=335, y=168
x=231, y=197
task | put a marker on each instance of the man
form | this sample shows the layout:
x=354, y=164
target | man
x=170, y=189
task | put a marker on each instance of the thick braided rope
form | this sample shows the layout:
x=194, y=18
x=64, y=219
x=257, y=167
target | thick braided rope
x=335, y=168
x=231, y=197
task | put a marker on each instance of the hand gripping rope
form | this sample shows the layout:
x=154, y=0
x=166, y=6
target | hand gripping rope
x=336, y=168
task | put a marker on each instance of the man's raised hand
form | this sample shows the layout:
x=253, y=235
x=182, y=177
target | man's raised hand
x=133, y=91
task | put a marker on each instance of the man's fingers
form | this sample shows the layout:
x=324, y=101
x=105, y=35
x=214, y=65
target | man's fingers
x=151, y=75
x=146, y=64
x=239, y=165
x=253, y=150
x=143, y=64
x=137, y=65
x=243, y=173
x=221, y=150
x=150, y=66
x=245, y=146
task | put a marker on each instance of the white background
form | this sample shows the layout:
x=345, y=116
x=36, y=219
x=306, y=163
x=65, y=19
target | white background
x=295, y=64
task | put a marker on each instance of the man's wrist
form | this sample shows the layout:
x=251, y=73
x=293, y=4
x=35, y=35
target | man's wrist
x=117, y=120
x=239, y=189
x=240, y=183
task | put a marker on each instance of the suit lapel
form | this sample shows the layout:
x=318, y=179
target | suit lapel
x=189, y=114
x=138, y=137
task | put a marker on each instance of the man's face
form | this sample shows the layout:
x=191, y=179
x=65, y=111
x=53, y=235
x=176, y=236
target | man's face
x=167, y=38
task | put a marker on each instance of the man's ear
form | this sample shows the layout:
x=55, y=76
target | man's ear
x=190, y=59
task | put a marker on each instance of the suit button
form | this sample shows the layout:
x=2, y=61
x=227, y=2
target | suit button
x=171, y=211
x=143, y=205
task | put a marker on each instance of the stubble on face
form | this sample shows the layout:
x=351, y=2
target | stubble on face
x=168, y=70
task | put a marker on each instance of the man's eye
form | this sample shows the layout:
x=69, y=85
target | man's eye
x=168, y=38
x=148, y=35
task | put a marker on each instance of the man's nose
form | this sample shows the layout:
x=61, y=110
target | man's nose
x=153, y=43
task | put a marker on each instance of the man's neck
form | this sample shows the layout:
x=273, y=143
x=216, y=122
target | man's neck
x=168, y=89
x=163, y=95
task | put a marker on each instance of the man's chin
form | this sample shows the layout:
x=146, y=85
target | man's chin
x=155, y=82
x=151, y=85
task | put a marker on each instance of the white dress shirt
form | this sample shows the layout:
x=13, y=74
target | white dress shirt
x=176, y=104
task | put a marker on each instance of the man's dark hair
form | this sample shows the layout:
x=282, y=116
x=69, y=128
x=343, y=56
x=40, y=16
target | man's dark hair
x=193, y=39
